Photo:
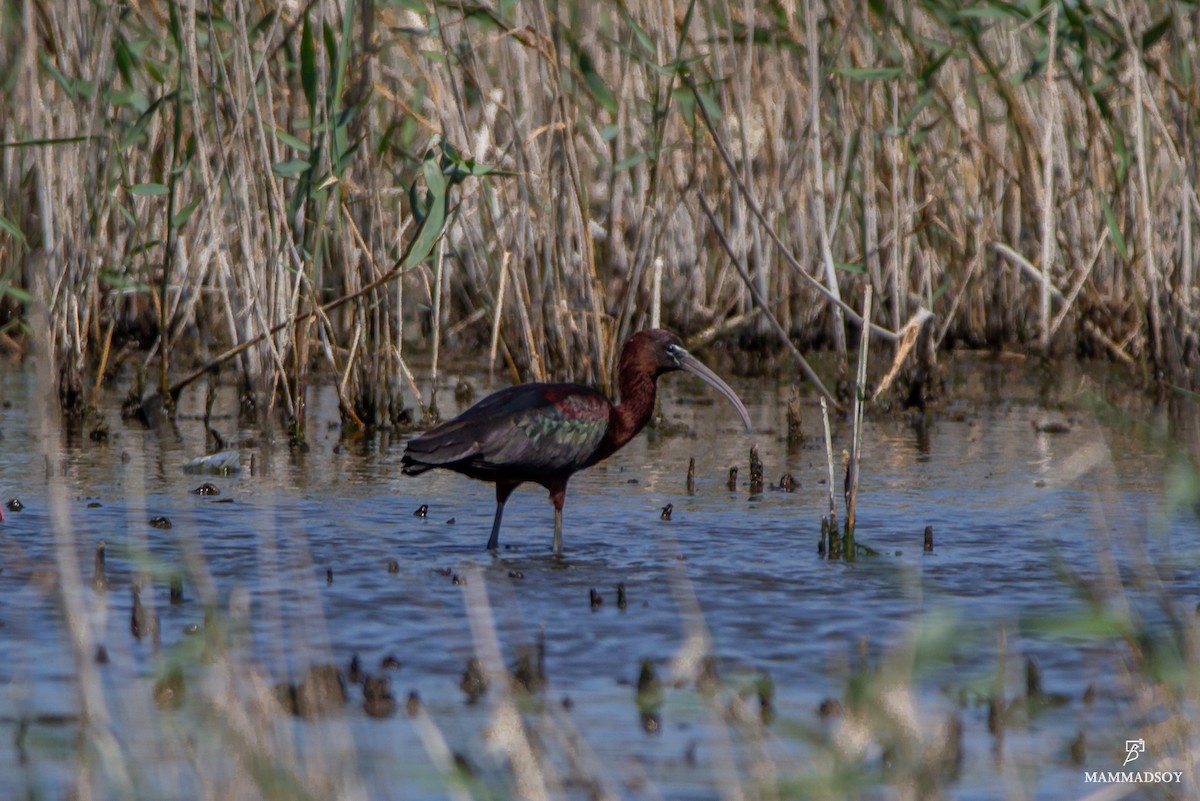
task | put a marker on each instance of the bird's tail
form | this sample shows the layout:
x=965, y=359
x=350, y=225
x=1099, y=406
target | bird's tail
x=414, y=468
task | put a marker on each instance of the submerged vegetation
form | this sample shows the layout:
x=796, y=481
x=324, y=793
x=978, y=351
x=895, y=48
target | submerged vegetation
x=189, y=186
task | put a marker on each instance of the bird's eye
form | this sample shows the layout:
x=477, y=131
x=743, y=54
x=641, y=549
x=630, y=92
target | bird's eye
x=674, y=351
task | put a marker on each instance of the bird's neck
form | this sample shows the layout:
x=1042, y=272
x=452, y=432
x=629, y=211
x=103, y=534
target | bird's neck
x=638, y=391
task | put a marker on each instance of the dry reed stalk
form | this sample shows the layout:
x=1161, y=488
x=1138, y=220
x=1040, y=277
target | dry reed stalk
x=1049, y=123
x=809, y=372
x=1116, y=349
x=535, y=778
x=860, y=397
x=832, y=296
x=1069, y=301
x=829, y=461
x=436, y=314
x=497, y=313
x=1150, y=274
x=98, y=739
x=656, y=294
x=606, y=158
x=817, y=157
x=908, y=339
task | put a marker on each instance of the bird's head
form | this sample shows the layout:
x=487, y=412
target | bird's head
x=661, y=351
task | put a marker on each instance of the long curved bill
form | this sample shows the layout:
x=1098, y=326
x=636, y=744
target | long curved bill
x=696, y=368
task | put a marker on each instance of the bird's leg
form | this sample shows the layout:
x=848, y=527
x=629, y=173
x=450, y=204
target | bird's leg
x=558, y=495
x=494, y=541
x=558, y=530
x=503, y=490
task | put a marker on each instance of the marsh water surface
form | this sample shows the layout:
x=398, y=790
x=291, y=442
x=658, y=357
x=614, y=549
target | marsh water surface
x=320, y=554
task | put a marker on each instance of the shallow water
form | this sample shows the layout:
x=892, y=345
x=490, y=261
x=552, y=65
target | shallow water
x=302, y=542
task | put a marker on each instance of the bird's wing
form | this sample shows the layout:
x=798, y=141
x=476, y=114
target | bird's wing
x=529, y=429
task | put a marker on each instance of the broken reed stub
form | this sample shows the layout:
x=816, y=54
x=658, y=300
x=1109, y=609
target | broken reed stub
x=691, y=476
x=929, y=538
x=756, y=471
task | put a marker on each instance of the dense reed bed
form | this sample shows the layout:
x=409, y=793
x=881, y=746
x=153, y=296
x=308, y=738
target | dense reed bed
x=197, y=185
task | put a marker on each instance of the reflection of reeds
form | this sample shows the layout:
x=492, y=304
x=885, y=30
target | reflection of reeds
x=175, y=185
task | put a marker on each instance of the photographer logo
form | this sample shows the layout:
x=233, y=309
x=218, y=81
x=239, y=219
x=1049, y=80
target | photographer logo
x=1133, y=750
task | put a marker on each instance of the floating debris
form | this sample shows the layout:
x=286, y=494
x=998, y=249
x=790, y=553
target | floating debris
x=222, y=463
x=995, y=717
x=99, y=575
x=206, y=489
x=100, y=432
x=649, y=697
x=463, y=765
x=525, y=674
x=951, y=757
x=516, y=574
x=929, y=538
x=14, y=505
x=389, y=662
x=707, y=679
x=830, y=708
x=795, y=434
x=464, y=393
x=422, y=511
x=393, y=566
x=139, y=618
x=474, y=683
x=666, y=511
x=321, y=692
x=1052, y=425
x=1034, y=694
x=160, y=521
x=765, y=689
x=1079, y=749
x=1033, y=678
x=451, y=522
x=595, y=599
x=691, y=476
x=377, y=697
x=787, y=483
x=168, y=690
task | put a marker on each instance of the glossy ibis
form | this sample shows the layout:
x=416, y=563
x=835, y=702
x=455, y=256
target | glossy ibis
x=545, y=433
